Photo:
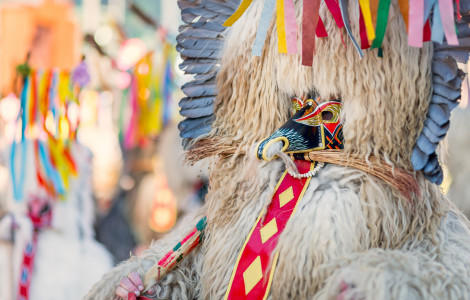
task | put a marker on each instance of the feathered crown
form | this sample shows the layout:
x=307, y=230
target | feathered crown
x=444, y=22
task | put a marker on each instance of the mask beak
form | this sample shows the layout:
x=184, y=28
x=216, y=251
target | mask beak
x=291, y=137
x=268, y=147
x=313, y=127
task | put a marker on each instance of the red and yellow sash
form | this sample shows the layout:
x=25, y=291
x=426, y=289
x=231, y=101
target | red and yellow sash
x=253, y=273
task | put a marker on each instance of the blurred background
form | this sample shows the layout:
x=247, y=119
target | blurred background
x=91, y=164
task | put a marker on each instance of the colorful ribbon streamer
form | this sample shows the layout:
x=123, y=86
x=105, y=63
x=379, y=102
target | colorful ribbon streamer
x=382, y=20
x=404, y=10
x=428, y=5
x=309, y=25
x=343, y=5
x=363, y=32
x=19, y=183
x=437, y=32
x=373, y=22
x=366, y=16
x=321, y=30
x=43, y=113
x=281, y=28
x=291, y=26
x=416, y=23
x=266, y=16
x=238, y=13
x=446, y=8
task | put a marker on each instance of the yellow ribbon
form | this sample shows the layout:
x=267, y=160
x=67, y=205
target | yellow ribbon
x=365, y=8
x=238, y=13
x=281, y=28
x=64, y=88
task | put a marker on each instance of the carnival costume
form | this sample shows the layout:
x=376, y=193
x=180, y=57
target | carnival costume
x=342, y=199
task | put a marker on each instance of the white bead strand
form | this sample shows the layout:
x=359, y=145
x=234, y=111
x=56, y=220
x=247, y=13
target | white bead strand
x=308, y=174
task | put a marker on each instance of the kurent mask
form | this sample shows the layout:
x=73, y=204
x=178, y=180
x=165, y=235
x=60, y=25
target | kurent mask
x=313, y=126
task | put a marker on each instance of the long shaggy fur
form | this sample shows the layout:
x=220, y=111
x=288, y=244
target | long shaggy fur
x=349, y=227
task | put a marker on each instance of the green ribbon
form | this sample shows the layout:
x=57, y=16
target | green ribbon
x=382, y=19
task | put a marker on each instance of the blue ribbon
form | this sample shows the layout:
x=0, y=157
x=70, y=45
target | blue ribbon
x=437, y=32
x=266, y=16
x=343, y=6
x=18, y=186
x=167, y=87
x=428, y=5
x=53, y=175
x=52, y=94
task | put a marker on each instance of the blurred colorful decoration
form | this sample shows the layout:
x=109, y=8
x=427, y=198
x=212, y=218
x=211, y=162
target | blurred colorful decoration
x=46, y=33
x=130, y=53
x=44, y=119
x=164, y=210
x=9, y=107
x=40, y=214
x=149, y=94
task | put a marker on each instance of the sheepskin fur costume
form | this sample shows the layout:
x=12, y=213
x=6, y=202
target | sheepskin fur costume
x=349, y=227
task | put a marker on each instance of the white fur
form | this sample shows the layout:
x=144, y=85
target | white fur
x=330, y=239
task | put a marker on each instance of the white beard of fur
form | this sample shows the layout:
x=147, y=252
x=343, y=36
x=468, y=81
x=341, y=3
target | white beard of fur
x=327, y=240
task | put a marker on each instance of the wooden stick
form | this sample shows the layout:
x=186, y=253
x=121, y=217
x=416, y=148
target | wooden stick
x=178, y=253
x=400, y=179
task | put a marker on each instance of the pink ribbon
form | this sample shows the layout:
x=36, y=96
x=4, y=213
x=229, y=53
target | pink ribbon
x=416, y=23
x=291, y=26
x=446, y=8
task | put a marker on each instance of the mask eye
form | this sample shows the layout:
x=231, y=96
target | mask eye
x=327, y=115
